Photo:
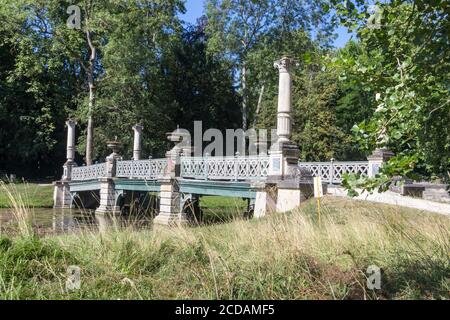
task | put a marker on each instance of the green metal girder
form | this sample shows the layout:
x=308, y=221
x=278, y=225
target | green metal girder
x=201, y=187
x=137, y=185
x=84, y=185
x=217, y=188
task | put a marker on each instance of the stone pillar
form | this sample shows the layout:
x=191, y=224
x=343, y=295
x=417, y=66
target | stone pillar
x=170, y=210
x=293, y=192
x=284, y=99
x=61, y=195
x=266, y=199
x=70, y=139
x=283, y=153
x=61, y=192
x=137, y=142
x=181, y=139
x=376, y=160
x=70, y=150
x=293, y=185
x=108, y=195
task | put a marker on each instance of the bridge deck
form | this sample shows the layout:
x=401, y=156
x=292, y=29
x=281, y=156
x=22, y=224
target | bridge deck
x=217, y=188
x=200, y=187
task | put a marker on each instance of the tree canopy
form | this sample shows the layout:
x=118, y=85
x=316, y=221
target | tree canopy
x=138, y=62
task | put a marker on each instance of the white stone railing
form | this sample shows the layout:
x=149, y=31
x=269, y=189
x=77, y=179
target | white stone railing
x=225, y=168
x=91, y=172
x=332, y=172
x=143, y=169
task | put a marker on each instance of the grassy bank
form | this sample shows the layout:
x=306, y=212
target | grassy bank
x=30, y=194
x=283, y=256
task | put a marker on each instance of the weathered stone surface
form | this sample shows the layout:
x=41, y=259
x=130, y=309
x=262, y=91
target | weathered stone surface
x=61, y=195
x=170, y=211
x=376, y=160
x=439, y=194
x=137, y=142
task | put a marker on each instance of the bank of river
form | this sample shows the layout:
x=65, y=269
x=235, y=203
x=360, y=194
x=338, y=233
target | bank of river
x=31, y=194
x=47, y=221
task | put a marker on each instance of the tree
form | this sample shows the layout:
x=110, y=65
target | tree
x=407, y=66
x=238, y=27
x=120, y=43
x=31, y=113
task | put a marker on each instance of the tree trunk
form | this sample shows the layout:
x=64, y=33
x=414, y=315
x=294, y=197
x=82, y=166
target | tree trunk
x=90, y=75
x=258, y=107
x=90, y=125
x=244, y=97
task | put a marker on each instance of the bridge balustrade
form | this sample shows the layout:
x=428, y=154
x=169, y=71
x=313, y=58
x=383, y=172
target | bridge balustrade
x=333, y=171
x=217, y=168
x=91, y=172
x=142, y=169
x=225, y=168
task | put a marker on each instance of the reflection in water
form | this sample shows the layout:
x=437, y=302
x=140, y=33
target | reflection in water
x=57, y=221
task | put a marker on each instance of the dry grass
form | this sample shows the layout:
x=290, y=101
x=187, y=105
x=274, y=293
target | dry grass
x=283, y=256
x=18, y=201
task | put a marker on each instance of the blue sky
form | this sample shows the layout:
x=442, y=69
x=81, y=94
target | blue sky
x=194, y=9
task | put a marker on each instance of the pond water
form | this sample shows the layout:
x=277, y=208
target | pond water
x=47, y=221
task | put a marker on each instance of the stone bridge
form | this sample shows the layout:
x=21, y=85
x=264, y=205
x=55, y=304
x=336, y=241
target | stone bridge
x=273, y=181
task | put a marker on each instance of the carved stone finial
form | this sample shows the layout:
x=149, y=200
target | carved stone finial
x=138, y=127
x=284, y=64
x=71, y=122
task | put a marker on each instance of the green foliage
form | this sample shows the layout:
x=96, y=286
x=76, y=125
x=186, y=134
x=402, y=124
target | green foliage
x=24, y=259
x=315, y=116
x=405, y=67
x=147, y=67
x=389, y=89
x=253, y=34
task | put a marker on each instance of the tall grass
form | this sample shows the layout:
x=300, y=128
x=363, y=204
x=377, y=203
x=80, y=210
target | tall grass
x=283, y=256
x=18, y=202
x=34, y=195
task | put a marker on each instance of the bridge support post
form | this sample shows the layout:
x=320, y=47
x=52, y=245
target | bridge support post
x=61, y=192
x=170, y=210
x=291, y=193
x=62, y=199
x=266, y=199
x=292, y=184
x=283, y=153
x=108, y=195
x=376, y=160
x=170, y=206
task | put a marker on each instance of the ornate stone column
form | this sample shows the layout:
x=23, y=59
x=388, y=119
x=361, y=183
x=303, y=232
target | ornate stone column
x=171, y=208
x=284, y=154
x=71, y=139
x=61, y=192
x=70, y=150
x=109, y=196
x=284, y=66
x=137, y=142
x=290, y=184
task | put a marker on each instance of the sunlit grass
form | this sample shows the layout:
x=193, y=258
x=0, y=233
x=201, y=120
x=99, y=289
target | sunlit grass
x=33, y=195
x=282, y=256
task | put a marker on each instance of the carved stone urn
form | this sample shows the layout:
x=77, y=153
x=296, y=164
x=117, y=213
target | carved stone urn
x=115, y=146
